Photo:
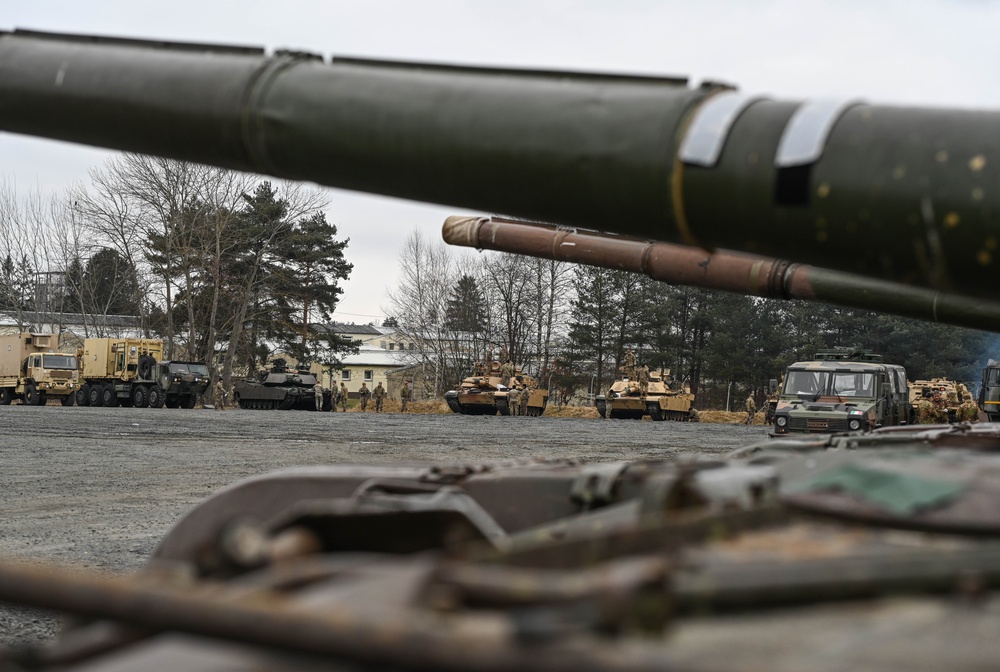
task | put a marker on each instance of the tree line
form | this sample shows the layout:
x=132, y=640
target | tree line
x=571, y=326
x=224, y=266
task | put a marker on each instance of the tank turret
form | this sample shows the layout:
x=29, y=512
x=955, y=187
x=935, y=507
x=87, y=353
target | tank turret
x=861, y=551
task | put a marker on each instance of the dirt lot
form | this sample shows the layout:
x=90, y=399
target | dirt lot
x=98, y=487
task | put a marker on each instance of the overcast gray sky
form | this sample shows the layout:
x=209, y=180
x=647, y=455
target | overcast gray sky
x=942, y=53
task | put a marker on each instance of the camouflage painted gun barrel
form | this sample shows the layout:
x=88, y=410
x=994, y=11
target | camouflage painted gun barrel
x=904, y=194
x=728, y=271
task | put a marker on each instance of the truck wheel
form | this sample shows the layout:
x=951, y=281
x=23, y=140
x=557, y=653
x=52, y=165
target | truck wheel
x=189, y=400
x=140, y=396
x=83, y=395
x=96, y=395
x=6, y=396
x=172, y=401
x=31, y=395
x=156, y=396
x=68, y=400
x=108, y=397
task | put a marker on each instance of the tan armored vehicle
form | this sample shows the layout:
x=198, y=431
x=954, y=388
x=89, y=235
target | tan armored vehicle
x=31, y=370
x=663, y=399
x=940, y=400
x=488, y=392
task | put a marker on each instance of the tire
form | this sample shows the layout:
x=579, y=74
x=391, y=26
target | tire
x=31, y=394
x=189, y=401
x=96, y=396
x=6, y=396
x=145, y=366
x=157, y=396
x=172, y=401
x=108, y=397
x=140, y=396
x=83, y=395
x=68, y=400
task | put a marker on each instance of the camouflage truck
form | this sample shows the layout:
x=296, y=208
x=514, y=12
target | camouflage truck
x=179, y=384
x=989, y=392
x=664, y=399
x=940, y=400
x=32, y=370
x=842, y=389
x=486, y=392
x=119, y=372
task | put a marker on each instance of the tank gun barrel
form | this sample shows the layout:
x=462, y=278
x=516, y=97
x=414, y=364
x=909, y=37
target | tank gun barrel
x=899, y=193
x=722, y=270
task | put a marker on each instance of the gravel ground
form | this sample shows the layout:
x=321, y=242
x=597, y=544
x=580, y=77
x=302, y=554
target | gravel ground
x=98, y=487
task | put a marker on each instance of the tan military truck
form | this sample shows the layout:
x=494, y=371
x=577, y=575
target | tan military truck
x=120, y=372
x=32, y=370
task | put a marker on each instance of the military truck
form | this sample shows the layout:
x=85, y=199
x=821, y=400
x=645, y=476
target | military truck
x=32, y=370
x=989, y=391
x=486, y=392
x=842, y=389
x=664, y=399
x=179, y=384
x=119, y=372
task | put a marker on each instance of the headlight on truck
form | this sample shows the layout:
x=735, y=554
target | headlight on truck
x=854, y=424
x=781, y=421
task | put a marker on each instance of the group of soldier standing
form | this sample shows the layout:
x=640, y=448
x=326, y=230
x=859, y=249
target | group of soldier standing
x=338, y=397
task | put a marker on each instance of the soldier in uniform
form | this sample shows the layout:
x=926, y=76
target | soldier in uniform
x=751, y=407
x=343, y=397
x=628, y=364
x=514, y=401
x=220, y=395
x=379, y=395
x=525, y=393
x=643, y=375
x=404, y=396
x=364, y=393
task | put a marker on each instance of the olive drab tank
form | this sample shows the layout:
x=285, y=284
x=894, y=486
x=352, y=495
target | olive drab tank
x=488, y=392
x=863, y=551
x=281, y=387
x=663, y=399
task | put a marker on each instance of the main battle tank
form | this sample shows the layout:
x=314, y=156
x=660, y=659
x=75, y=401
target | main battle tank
x=280, y=387
x=663, y=399
x=863, y=551
x=488, y=392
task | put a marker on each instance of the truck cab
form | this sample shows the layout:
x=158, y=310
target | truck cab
x=842, y=390
x=182, y=383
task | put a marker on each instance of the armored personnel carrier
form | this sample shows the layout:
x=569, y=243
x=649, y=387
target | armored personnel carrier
x=280, y=387
x=488, y=392
x=664, y=399
x=868, y=551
